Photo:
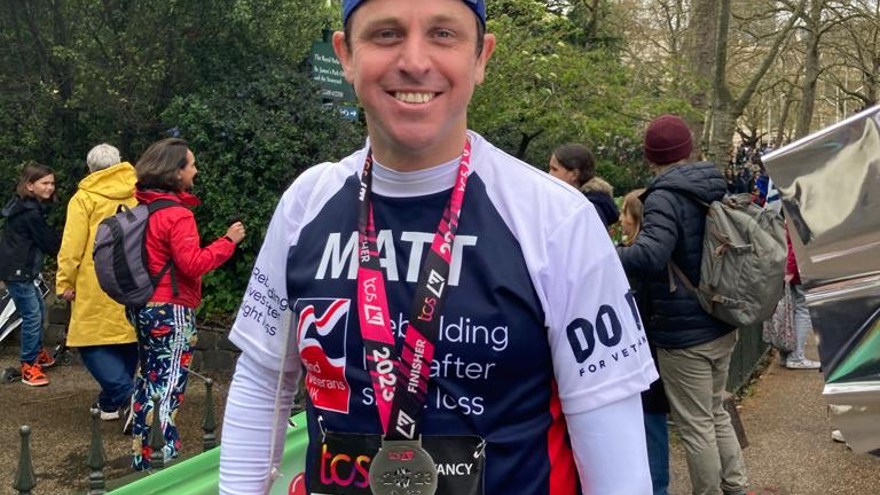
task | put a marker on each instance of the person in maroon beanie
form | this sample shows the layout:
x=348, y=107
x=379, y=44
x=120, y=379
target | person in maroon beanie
x=693, y=348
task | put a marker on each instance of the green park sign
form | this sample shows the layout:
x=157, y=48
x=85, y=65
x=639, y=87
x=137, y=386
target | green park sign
x=327, y=71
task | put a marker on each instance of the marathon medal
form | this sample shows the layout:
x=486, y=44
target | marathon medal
x=403, y=467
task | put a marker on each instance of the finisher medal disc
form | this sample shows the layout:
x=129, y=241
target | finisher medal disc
x=403, y=467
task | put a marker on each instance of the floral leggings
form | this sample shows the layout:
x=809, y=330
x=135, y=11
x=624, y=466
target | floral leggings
x=166, y=336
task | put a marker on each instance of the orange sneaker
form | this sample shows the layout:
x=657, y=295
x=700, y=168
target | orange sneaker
x=32, y=374
x=44, y=359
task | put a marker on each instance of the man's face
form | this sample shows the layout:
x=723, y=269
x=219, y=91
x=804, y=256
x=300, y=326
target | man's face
x=414, y=66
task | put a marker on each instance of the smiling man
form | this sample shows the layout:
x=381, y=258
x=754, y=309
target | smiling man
x=451, y=340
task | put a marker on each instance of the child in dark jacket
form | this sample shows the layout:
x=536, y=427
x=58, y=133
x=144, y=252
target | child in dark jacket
x=27, y=239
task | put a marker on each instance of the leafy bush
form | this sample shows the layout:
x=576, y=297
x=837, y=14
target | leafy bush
x=252, y=136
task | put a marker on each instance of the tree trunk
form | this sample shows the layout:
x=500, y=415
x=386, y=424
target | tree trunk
x=872, y=84
x=811, y=69
x=783, y=118
x=591, y=30
x=726, y=108
x=724, y=127
x=723, y=123
x=701, y=39
x=525, y=140
x=64, y=74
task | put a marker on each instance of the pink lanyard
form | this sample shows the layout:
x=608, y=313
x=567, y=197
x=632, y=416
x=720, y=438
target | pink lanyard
x=400, y=382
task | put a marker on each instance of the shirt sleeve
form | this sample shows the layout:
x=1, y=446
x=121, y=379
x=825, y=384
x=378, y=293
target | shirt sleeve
x=253, y=417
x=263, y=331
x=260, y=328
x=609, y=441
x=598, y=344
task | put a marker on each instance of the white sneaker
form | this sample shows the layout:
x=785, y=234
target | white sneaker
x=106, y=415
x=109, y=416
x=803, y=364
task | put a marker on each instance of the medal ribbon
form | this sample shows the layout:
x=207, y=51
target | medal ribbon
x=400, y=383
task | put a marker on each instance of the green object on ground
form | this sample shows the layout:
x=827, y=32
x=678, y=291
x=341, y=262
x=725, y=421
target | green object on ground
x=200, y=475
x=862, y=361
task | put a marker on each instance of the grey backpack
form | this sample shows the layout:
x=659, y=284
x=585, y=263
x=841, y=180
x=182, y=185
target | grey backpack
x=743, y=266
x=120, y=254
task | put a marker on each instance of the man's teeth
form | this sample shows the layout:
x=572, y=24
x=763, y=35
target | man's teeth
x=414, y=97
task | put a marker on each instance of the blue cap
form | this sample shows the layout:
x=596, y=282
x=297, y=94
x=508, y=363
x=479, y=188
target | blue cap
x=478, y=6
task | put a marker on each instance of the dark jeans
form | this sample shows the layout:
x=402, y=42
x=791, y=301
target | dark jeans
x=113, y=367
x=657, y=436
x=29, y=305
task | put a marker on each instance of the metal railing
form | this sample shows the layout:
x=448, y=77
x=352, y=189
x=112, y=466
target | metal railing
x=747, y=357
x=25, y=481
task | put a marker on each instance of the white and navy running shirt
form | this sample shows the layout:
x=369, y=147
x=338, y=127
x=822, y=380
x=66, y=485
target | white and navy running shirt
x=537, y=320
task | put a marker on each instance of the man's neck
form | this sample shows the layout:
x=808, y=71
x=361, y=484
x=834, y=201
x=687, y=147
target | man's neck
x=411, y=160
x=659, y=169
x=412, y=163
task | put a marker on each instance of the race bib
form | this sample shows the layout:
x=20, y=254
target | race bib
x=342, y=464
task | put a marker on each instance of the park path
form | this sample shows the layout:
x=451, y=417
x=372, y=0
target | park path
x=790, y=450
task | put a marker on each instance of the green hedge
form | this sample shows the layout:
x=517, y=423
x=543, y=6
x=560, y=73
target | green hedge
x=251, y=139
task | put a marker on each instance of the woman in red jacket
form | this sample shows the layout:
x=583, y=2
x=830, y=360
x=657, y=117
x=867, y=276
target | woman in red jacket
x=166, y=325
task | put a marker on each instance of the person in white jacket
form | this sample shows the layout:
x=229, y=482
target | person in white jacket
x=451, y=338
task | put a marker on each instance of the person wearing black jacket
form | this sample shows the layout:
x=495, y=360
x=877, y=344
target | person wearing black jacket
x=574, y=164
x=27, y=239
x=693, y=348
x=654, y=402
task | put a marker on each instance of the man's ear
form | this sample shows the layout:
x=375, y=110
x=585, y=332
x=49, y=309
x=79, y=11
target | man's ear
x=344, y=55
x=485, y=55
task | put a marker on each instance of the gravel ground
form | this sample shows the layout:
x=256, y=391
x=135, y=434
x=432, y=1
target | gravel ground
x=59, y=419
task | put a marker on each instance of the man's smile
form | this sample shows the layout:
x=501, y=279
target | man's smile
x=411, y=97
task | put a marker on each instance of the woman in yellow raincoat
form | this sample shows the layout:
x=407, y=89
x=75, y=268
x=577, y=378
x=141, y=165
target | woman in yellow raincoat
x=98, y=326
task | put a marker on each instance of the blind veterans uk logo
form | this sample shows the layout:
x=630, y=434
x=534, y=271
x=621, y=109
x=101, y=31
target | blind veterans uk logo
x=322, y=328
